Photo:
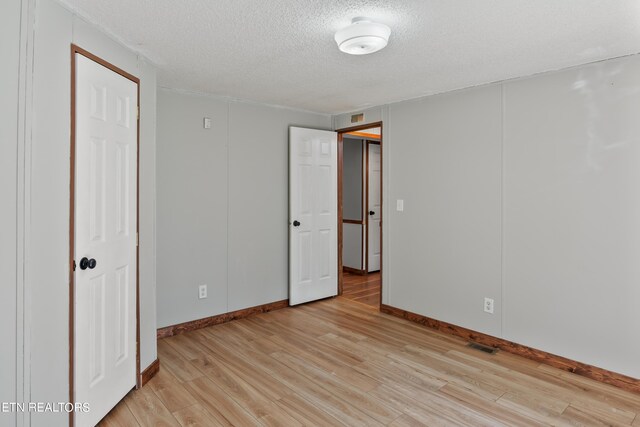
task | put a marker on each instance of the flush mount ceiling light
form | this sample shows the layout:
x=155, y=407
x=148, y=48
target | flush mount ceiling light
x=362, y=37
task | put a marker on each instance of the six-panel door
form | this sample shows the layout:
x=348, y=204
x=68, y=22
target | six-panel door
x=105, y=231
x=375, y=205
x=313, y=207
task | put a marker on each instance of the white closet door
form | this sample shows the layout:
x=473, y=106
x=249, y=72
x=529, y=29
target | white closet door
x=105, y=238
x=374, y=208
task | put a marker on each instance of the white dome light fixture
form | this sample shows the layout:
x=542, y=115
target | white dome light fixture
x=362, y=37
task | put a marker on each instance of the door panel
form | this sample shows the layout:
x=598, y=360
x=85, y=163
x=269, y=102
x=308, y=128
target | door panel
x=105, y=231
x=96, y=218
x=374, y=208
x=122, y=189
x=324, y=258
x=97, y=323
x=305, y=257
x=122, y=314
x=313, y=206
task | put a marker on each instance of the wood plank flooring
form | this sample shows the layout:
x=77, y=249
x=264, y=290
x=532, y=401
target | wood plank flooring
x=337, y=362
x=362, y=288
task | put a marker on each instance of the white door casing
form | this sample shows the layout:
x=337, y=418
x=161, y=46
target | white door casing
x=313, y=205
x=105, y=230
x=375, y=206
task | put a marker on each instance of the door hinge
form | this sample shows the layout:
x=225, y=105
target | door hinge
x=138, y=112
x=137, y=239
x=74, y=265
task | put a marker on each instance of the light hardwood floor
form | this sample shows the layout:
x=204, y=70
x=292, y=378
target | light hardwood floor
x=362, y=288
x=337, y=362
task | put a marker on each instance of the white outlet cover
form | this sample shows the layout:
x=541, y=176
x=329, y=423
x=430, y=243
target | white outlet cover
x=202, y=291
x=207, y=123
x=399, y=205
x=488, y=305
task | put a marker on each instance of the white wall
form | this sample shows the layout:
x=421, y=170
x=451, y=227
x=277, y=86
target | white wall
x=9, y=85
x=47, y=240
x=147, y=203
x=527, y=192
x=352, y=179
x=445, y=246
x=258, y=167
x=572, y=213
x=352, y=202
x=222, y=204
x=352, y=246
x=191, y=207
x=50, y=31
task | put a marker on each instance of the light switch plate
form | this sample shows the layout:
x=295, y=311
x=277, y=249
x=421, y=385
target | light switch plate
x=399, y=205
x=207, y=123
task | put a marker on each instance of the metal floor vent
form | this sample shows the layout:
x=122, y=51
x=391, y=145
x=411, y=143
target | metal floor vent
x=484, y=348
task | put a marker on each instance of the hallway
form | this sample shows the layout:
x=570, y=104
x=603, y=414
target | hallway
x=364, y=289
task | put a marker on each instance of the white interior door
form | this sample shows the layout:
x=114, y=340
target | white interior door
x=105, y=236
x=313, y=205
x=374, y=208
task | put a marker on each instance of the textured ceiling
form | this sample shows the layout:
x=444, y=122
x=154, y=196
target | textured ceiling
x=282, y=51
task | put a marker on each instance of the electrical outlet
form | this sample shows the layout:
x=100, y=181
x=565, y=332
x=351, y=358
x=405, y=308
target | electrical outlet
x=488, y=305
x=202, y=291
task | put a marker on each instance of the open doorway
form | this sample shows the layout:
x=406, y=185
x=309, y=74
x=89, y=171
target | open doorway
x=360, y=213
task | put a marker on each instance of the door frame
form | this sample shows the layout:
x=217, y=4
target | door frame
x=341, y=133
x=366, y=210
x=78, y=50
x=361, y=222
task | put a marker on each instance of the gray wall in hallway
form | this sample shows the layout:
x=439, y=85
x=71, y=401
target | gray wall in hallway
x=352, y=188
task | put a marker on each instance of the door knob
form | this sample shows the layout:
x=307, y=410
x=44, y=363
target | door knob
x=372, y=213
x=296, y=223
x=86, y=262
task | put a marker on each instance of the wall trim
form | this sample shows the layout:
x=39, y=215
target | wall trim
x=231, y=99
x=598, y=374
x=353, y=271
x=365, y=135
x=180, y=328
x=353, y=221
x=149, y=372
